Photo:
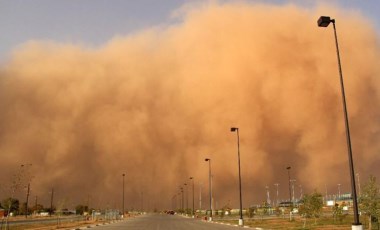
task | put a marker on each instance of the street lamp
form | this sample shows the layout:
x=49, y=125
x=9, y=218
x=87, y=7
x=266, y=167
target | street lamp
x=290, y=192
x=51, y=201
x=187, y=198
x=277, y=184
x=233, y=129
x=324, y=21
x=268, y=196
x=210, y=188
x=183, y=203
x=293, y=199
x=123, y=195
x=339, y=190
x=290, y=195
x=357, y=175
x=28, y=178
x=192, y=179
x=179, y=201
x=174, y=203
x=142, y=202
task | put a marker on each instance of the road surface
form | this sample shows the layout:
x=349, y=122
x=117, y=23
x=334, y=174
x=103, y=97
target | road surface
x=164, y=222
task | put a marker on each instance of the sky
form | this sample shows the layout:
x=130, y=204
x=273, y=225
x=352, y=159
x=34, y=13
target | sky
x=94, y=22
x=91, y=90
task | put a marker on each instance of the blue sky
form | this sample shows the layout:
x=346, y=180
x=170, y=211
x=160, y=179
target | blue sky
x=93, y=22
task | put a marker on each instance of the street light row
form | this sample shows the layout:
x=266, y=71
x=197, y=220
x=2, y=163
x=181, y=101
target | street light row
x=233, y=129
x=323, y=21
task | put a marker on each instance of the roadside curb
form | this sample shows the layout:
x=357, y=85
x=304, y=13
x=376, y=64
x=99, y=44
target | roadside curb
x=234, y=225
x=94, y=225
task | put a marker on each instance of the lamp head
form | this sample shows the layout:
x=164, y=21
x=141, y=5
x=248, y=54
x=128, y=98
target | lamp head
x=233, y=129
x=288, y=167
x=207, y=159
x=191, y=178
x=324, y=21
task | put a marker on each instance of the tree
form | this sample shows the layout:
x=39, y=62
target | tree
x=251, y=212
x=311, y=206
x=370, y=200
x=266, y=208
x=36, y=209
x=22, y=209
x=80, y=209
x=11, y=204
x=338, y=212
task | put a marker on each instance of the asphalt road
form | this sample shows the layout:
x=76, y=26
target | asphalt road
x=164, y=222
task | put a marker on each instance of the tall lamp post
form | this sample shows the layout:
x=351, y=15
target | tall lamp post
x=183, y=203
x=324, y=21
x=142, y=202
x=290, y=191
x=233, y=129
x=180, y=200
x=277, y=184
x=193, y=212
x=187, y=198
x=123, y=196
x=51, y=201
x=339, y=190
x=27, y=200
x=290, y=195
x=210, y=188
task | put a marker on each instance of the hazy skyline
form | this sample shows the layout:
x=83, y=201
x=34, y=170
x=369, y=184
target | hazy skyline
x=153, y=104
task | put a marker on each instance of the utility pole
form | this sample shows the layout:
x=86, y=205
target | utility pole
x=51, y=201
x=27, y=200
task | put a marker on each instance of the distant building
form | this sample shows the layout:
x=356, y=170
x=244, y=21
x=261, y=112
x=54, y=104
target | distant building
x=344, y=199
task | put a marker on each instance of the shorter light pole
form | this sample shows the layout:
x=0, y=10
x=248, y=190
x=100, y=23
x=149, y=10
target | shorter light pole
x=27, y=201
x=183, y=200
x=179, y=202
x=200, y=196
x=357, y=175
x=339, y=191
x=290, y=192
x=268, y=196
x=277, y=184
x=142, y=202
x=187, y=198
x=210, y=188
x=123, y=196
x=290, y=195
x=51, y=201
x=293, y=199
x=193, y=212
